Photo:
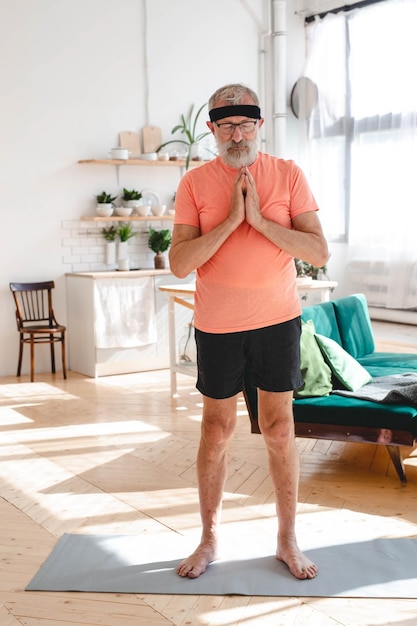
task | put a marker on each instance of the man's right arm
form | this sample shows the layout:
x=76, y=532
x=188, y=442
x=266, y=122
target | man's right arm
x=190, y=250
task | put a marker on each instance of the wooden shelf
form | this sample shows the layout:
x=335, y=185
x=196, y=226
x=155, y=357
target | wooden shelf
x=130, y=218
x=178, y=163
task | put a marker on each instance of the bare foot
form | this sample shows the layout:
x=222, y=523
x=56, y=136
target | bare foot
x=196, y=563
x=299, y=565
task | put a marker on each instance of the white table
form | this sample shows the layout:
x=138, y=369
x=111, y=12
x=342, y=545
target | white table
x=183, y=295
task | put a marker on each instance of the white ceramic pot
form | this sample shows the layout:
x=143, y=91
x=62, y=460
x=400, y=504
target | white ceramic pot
x=123, y=255
x=133, y=204
x=104, y=209
x=123, y=265
x=110, y=252
x=119, y=153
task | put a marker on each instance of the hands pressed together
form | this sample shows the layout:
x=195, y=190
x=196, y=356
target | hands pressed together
x=245, y=200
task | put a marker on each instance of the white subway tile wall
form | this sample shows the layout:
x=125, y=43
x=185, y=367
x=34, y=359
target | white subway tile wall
x=84, y=247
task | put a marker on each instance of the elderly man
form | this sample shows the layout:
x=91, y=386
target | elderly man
x=240, y=220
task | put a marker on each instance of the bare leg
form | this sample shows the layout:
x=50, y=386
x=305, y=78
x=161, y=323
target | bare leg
x=277, y=426
x=218, y=425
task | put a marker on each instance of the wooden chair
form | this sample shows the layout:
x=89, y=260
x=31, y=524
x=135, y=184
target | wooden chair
x=36, y=321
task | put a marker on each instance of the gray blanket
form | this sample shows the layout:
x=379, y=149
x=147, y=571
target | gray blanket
x=395, y=389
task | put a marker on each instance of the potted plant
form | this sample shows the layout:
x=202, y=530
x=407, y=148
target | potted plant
x=110, y=235
x=125, y=232
x=188, y=128
x=105, y=204
x=132, y=198
x=159, y=241
x=131, y=194
x=307, y=271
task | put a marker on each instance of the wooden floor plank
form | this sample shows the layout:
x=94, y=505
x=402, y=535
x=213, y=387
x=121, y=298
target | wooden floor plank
x=117, y=454
x=7, y=619
x=79, y=609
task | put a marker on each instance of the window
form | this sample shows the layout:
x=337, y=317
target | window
x=362, y=137
x=362, y=133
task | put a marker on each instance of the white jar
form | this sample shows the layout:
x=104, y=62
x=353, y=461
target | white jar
x=120, y=153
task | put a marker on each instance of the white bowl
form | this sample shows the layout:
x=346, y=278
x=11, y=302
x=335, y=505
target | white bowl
x=171, y=212
x=104, y=210
x=158, y=209
x=143, y=210
x=149, y=156
x=124, y=211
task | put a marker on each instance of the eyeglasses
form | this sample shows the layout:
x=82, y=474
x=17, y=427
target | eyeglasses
x=228, y=128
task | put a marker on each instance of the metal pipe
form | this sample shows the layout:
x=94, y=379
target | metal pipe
x=264, y=65
x=279, y=75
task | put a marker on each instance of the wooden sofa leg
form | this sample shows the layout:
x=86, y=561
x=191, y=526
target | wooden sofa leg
x=397, y=460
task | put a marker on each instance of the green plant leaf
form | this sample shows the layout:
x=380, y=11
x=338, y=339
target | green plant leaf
x=196, y=119
x=125, y=231
x=201, y=136
x=105, y=198
x=188, y=127
x=132, y=194
x=306, y=269
x=110, y=233
x=159, y=240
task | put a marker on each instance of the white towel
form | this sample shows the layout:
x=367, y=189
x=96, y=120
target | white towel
x=125, y=312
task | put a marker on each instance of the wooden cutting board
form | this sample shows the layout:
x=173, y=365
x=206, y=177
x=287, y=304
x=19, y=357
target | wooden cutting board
x=152, y=138
x=130, y=140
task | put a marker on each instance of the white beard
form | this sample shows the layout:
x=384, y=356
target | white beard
x=238, y=158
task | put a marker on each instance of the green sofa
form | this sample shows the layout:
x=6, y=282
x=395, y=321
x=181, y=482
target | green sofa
x=335, y=417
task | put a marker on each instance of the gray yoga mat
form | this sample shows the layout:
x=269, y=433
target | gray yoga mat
x=376, y=568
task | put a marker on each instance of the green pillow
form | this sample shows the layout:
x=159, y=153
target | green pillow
x=316, y=374
x=345, y=368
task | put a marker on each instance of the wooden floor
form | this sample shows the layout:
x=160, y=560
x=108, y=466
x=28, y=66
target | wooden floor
x=117, y=455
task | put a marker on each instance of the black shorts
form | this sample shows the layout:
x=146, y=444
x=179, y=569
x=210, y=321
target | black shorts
x=271, y=353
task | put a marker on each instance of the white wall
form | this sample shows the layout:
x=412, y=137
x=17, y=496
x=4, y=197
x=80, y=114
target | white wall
x=73, y=74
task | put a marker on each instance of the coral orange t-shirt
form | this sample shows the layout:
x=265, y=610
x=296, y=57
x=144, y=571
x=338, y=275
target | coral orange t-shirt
x=249, y=282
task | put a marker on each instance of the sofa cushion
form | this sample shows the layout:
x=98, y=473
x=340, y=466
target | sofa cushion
x=354, y=324
x=345, y=368
x=324, y=318
x=388, y=363
x=317, y=377
x=334, y=409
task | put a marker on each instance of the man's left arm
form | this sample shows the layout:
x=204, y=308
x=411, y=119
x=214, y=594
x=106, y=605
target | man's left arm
x=305, y=240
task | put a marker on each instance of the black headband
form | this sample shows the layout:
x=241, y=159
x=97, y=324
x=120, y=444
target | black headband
x=247, y=110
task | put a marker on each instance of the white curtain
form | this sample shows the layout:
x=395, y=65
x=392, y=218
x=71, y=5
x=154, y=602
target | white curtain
x=362, y=144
